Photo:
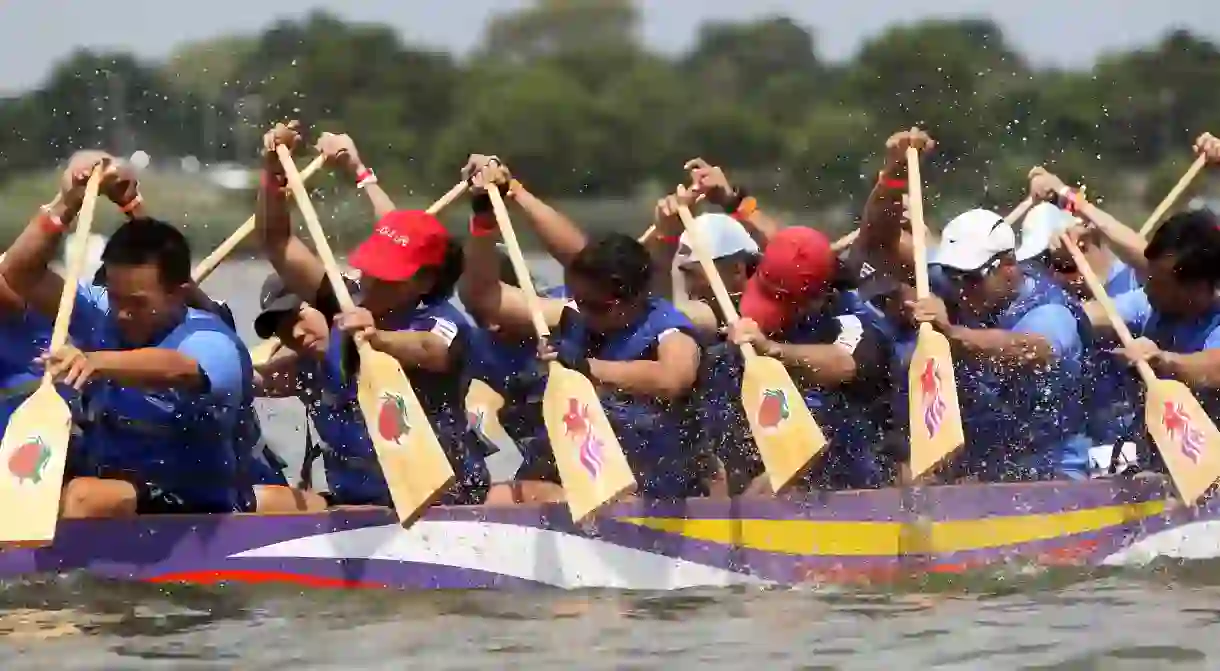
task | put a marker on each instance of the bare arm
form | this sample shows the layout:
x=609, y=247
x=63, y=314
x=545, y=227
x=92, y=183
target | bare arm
x=277, y=377
x=562, y=238
x=1197, y=369
x=1003, y=347
x=1125, y=242
x=148, y=368
x=422, y=350
x=25, y=268
x=671, y=376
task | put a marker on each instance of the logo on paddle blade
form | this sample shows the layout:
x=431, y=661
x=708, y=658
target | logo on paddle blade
x=28, y=461
x=474, y=419
x=576, y=425
x=773, y=408
x=931, y=396
x=392, y=424
x=1181, y=428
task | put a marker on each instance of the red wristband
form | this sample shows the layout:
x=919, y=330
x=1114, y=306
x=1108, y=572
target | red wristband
x=483, y=224
x=669, y=239
x=51, y=223
x=132, y=204
x=894, y=184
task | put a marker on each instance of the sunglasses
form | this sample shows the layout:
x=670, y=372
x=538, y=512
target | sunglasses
x=601, y=306
x=975, y=276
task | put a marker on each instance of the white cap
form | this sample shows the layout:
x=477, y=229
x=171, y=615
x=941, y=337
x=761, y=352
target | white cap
x=974, y=238
x=1042, y=223
x=720, y=234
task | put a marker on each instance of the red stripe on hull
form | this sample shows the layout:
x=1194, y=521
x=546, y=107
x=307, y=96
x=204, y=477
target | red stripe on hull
x=263, y=577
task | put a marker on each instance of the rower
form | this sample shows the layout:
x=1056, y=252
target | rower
x=640, y=353
x=722, y=426
x=409, y=267
x=797, y=309
x=1176, y=316
x=1110, y=411
x=1021, y=338
x=164, y=383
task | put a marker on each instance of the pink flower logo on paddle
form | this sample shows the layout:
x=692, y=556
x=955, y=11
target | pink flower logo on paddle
x=1181, y=428
x=932, y=398
x=576, y=425
x=772, y=409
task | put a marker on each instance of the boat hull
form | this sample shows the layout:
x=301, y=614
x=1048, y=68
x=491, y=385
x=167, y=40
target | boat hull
x=829, y=537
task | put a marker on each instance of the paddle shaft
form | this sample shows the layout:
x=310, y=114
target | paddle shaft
x=919, y=231
x=1107, y=305
x=723, y=299
x=518, y=260
x=1154, y=219
x=76, y=263
x=208, y=264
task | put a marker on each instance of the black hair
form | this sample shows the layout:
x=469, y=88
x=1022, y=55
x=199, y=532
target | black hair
x=151, y=241
x=616, y=261
x=446, y=275
x=1192, y=238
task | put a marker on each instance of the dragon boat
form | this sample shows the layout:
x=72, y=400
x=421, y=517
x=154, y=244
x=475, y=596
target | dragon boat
x=640, y=545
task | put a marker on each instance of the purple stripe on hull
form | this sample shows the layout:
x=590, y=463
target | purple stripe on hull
x=202, y=549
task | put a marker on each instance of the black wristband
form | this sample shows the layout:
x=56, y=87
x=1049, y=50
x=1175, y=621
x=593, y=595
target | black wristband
x=734, y=201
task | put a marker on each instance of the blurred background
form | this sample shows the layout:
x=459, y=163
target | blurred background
x=596, y=103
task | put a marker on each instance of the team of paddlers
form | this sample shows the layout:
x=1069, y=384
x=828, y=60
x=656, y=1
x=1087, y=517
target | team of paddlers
x=163, y=390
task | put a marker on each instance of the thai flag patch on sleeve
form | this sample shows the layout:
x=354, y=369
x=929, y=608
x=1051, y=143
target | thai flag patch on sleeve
x=444, y=329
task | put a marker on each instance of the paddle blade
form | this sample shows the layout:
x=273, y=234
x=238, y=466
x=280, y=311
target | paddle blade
x=483, y=414
x=262, y=352
x=591, y=463
x=32, y=455
x=412, y=459
x=787, y=435
x=935, y=416
x=1186, y=438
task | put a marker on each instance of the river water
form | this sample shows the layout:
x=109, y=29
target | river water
x=1012, y=617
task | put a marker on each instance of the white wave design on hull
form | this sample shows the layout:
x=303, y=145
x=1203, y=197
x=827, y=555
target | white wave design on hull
x=1196, y=540
x=541, y=555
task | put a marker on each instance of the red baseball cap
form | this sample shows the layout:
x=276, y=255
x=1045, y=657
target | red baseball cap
x=402, y=242
x=797, y=265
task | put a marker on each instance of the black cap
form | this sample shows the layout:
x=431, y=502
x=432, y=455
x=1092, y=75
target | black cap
x=275, y=300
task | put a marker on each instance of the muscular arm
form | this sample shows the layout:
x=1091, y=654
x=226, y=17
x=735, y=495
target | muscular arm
x=671, y=376
x=301, y=271
x=25, y=268
x=1040, y=336
x=1197, y=369
x=1125, y=242
x=150, y=368
x=855, y=351
x=562, y=238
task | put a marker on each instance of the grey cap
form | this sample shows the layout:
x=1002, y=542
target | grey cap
x=275, y=300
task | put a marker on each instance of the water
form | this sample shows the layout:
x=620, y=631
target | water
x=1008, y=618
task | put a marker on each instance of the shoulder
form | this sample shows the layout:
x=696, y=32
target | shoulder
x=1133, y=307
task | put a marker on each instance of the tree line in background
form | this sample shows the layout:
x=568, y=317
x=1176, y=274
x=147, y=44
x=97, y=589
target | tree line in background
x=569, y=95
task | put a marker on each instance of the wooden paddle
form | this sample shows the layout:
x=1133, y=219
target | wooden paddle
x=1185, y=436
x=263, y=351
x=592, y=467
x=35, y=444
x=790, y=439
x=935, y=416
x=1154, y=219
x=412, y=460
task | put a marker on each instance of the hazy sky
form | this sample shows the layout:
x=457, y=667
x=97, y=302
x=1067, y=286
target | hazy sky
x=35, y=33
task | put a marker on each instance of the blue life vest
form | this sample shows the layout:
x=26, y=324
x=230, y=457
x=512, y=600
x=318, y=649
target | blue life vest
x=1021, y=423
x=1110, y=389
x=23, y=337
x=654, y=434
x=1185, y=337
x=854, y=426
x=257, y=463
x=170, y=438
x=352, y=470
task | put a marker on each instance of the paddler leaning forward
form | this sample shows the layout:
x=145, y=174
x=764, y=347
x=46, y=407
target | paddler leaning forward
x=799, y=308
x=409, y=267
x=1018, y=339
x=163, y=383
x=1175, y=316
x=640, y=353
